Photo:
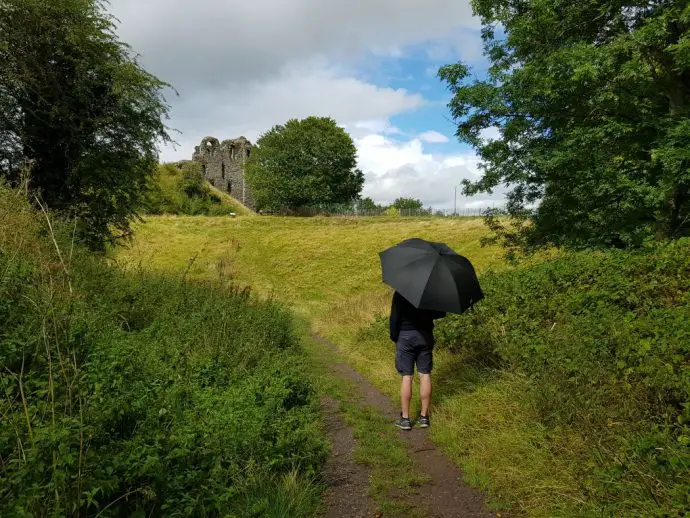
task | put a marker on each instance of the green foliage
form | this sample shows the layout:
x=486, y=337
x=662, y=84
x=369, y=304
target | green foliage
x=182, y=189
x=307, y=162
x=367, y=204
x=410, y=206
x=124, y=394
x=77, y=112
x=407, y=204
x=592, y=102
x=605, y=338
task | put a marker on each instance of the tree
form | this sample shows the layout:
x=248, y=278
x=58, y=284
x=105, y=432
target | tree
x=591, y=100
x=304, y=162
x=368, y=205
x=78, y=113
x=407, y=204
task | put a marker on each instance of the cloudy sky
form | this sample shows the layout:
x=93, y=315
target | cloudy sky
x=242, y=66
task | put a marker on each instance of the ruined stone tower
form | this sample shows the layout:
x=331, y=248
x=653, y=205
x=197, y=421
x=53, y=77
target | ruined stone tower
x=223, y=165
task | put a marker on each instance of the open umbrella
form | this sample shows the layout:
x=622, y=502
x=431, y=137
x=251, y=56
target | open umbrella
x=431, y=276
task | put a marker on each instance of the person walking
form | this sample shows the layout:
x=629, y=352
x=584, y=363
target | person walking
x=412, y=330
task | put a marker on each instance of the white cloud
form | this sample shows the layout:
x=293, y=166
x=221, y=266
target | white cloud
x=361, y=129
x=433, y=137
x=480, y=204
x=240, y=67
x=491, y=133
x=216, y=41
x=361, y=107
x=461, y=42
x=404, y=169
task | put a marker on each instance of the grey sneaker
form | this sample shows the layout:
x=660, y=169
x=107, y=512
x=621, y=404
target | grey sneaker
x=423, y=421
x=404, y=423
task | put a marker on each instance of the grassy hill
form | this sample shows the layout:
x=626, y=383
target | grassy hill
x=542, y=396
x=312, y=263
x=180, y=188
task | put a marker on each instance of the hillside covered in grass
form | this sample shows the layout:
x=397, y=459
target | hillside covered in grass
x=312, y=263
x=131, y=394
x=180, y=188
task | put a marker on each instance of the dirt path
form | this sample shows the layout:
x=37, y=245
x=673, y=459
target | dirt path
x=347, y=481
x=446, y=495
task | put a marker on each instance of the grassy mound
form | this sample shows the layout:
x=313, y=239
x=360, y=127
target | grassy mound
x=128, y=394
x=181, y=189
x=601, y=341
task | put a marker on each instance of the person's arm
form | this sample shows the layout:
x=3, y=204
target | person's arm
x=437, y=315
x=395, y=318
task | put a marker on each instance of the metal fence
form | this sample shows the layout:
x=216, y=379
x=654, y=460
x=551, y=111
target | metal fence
x=368, y=213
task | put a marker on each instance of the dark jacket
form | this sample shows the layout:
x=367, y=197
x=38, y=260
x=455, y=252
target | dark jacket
x=406, y=317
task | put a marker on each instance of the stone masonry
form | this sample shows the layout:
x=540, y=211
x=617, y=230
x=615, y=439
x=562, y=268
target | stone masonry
x=223, y=165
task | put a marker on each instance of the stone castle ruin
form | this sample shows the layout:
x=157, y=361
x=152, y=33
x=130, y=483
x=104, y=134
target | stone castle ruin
x=223, y=165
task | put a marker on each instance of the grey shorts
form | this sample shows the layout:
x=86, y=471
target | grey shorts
x=414, y=347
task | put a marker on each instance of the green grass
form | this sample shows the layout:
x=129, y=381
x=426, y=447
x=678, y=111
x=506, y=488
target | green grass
x=327, y=270
x=489, y=411
x=234, y=204
x=603, y=340
x=312, y=263
x=180, y=188
x=484, y=419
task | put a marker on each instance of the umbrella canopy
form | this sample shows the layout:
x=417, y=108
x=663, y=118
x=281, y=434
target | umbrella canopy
x=431, y=276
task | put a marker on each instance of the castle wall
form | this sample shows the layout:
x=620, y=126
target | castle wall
x=223, y=165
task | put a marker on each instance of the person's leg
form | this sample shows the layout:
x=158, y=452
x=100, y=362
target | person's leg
x=425, y=364
x=406, y=395
x=425, y=393
x=404, y=364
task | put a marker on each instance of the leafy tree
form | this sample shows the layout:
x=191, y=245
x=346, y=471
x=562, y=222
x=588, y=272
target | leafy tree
x=592, y=101
x=368, y=204
x=304, y=162
x=77, y=113
x=407, y=204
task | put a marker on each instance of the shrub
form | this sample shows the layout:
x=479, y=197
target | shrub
x=129, y=394
x=605, y=337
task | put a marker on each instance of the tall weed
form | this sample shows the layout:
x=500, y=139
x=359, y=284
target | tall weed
x=138, y=395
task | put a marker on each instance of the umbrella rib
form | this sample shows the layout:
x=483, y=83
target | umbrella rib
x=431, y=272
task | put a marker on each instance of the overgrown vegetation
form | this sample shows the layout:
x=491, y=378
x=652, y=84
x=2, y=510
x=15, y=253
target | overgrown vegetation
x=604, y=339
x=80, y=119
x=125, y=393
x=591, y=102
x=181, y=189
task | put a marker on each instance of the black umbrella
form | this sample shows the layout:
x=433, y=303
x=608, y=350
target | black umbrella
x=431, y=276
